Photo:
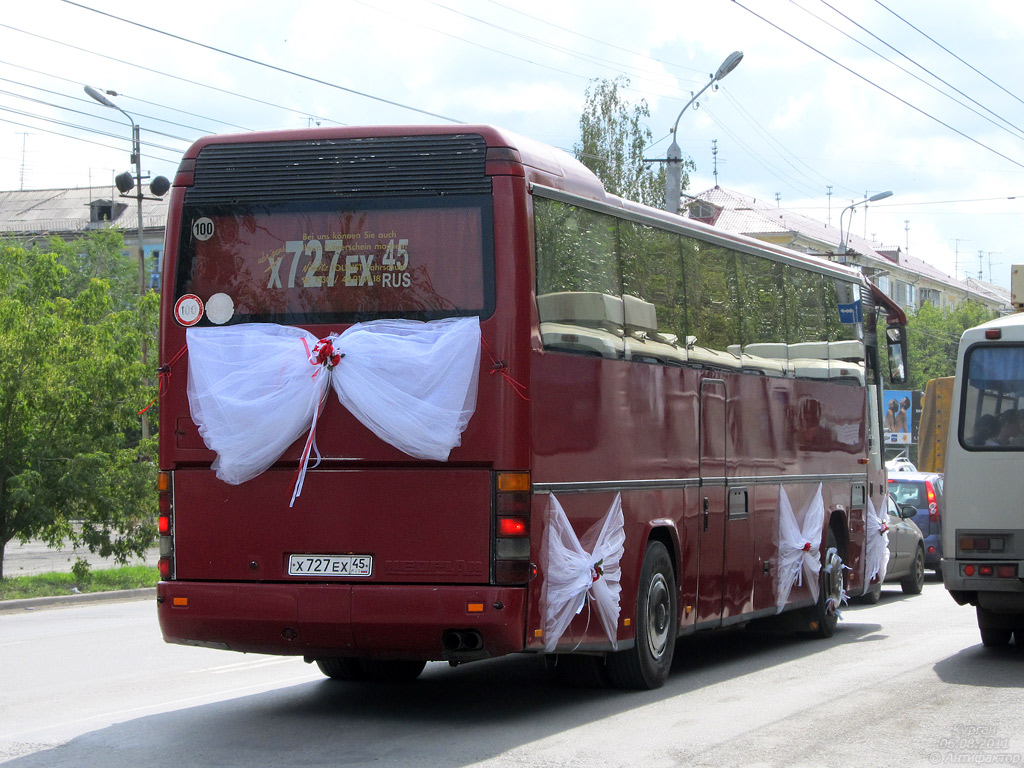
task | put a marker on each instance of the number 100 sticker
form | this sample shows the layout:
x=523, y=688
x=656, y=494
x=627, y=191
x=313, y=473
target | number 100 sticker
x=202, y=229
x=188, y=310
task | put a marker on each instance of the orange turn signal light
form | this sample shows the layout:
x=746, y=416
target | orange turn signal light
x=513, y=481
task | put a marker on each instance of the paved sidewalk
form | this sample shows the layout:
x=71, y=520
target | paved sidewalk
x=35, y=557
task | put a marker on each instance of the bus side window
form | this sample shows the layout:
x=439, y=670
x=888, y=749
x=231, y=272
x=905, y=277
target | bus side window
x=713, y=306
x=578, y=292
x=763, y=326
x=805, y=321
x=653, y=299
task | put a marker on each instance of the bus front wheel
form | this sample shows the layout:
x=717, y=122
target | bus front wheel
x=647, y=663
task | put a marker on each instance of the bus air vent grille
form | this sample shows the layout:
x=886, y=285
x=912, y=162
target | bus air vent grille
x=402, y=166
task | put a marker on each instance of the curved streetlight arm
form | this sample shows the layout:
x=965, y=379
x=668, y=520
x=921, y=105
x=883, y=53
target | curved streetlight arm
x=102, y=99
x=731, y=62
x=674, y=156
x=842, y=230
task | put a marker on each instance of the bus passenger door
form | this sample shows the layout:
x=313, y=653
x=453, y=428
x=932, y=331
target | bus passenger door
x=712, y=514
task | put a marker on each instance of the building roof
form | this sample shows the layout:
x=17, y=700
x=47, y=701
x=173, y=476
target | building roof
x=763, y=219
x=737, y=212
x=71, y=211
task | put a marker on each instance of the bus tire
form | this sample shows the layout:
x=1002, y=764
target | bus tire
x=577, y=670
x=913, y=582
x=381, y=670
x=392, y=670
x=646, y=665
x=341, y=668
x=824, y=615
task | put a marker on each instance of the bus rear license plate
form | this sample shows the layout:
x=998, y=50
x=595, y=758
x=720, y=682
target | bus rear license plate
x=330, y=565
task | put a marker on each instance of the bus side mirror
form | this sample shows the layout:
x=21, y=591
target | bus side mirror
x=896, y=336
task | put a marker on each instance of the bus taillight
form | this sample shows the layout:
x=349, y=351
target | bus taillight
x=165, y=521
x=512, y=499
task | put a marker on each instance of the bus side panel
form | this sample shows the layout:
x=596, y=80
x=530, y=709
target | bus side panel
x=605, y=421
x=597, y=420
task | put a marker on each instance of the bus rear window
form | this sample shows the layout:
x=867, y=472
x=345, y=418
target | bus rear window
x=302, y=263
x=992, y=415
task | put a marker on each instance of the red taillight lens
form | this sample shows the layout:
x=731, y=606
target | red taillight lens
x=513, y=526
x=164, y=524
x=513, y=499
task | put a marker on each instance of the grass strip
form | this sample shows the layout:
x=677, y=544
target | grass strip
x=105, y=580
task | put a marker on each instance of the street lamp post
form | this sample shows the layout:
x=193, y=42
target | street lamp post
x=124, y=183
x=842, y=231
x=674, y=157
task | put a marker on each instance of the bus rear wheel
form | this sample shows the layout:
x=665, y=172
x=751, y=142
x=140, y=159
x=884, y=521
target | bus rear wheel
x=381, y=670
x=647, y=663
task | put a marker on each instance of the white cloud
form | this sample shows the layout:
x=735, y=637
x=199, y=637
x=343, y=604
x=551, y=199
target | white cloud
x=787, y=121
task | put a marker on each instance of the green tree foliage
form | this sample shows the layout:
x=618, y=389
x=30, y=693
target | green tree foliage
x=613, y=137
x=72, y=467
x=934, y=336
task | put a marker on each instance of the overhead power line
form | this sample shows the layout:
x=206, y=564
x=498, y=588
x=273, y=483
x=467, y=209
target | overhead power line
x=264, y=64
x=940, y=45
x=1013, y=130
x=876, y=85
x=157, y=72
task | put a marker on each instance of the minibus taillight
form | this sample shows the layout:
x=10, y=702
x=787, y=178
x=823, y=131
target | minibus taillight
x=511, y=544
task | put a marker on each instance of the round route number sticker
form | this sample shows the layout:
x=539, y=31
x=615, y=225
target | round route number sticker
x=188, y=310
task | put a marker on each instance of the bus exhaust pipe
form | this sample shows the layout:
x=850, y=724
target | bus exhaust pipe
x=461, y=640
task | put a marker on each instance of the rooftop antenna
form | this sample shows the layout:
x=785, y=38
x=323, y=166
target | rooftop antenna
x=714, y=159
x=956, y=256
x=21, y=184
x=829, y=193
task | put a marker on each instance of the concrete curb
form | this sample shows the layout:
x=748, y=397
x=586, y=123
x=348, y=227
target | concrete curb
x=60, y=601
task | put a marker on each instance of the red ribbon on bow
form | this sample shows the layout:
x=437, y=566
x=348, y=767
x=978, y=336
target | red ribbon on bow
x=324, y=354
x=807, y=546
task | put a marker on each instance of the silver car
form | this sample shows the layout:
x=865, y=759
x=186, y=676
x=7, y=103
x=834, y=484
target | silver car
x=906, y=551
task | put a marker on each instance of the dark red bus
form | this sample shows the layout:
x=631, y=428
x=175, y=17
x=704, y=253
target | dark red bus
x=664, y=428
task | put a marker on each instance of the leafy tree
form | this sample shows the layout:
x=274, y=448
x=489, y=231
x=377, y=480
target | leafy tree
x=613, y=137
x=934, y=336
x=72, y=467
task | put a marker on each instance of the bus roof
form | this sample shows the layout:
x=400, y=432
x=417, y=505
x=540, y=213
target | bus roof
x=548, y=167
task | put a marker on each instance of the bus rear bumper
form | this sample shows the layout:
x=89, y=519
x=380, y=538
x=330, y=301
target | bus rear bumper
x=335, y=620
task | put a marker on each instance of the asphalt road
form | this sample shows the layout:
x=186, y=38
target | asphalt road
x=903, y=683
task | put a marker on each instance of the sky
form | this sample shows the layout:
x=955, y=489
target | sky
x=834, y=100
